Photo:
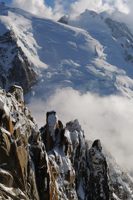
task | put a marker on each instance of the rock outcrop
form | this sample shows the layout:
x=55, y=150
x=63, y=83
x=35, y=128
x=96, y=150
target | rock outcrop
x=64, y=19
x=55, y=163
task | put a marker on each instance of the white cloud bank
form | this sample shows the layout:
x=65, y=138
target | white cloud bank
x=40, y=8
x=109, y=119
x=101, y=5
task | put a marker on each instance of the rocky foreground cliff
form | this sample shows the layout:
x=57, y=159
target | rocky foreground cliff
x=55, y=162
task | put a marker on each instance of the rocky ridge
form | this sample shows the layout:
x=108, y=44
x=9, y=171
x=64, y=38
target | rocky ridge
x=55, y=162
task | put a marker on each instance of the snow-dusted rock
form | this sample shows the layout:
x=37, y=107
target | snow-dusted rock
x=17, y=91
x=121, y=181
x=99, y=182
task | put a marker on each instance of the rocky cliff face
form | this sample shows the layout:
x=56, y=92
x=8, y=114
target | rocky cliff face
x=119, y=31
x=15, y=67
x=55, y=163
x=25, y=171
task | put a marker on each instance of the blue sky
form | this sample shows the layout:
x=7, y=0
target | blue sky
x=47, y=2
x=8, y=2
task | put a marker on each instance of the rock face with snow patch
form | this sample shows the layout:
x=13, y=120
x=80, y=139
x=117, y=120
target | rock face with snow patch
x=99, y=182
x=120, y=31
x=15, y=67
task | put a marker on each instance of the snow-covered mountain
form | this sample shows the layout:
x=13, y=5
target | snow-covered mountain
x=91, y=53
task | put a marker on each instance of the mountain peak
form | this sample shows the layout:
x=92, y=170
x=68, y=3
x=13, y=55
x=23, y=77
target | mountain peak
x=64, y=19
x=89, y=12
x=2, y=5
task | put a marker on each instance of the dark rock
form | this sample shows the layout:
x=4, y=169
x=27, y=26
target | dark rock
x=64, y=19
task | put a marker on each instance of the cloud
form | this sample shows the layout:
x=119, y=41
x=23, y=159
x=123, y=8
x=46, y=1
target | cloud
x=79, y=6
x=59, y=8
x=109, y=119
x=38, y=7
x=119, y=5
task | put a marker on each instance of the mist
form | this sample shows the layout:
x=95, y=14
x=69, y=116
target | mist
x=108, y=118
